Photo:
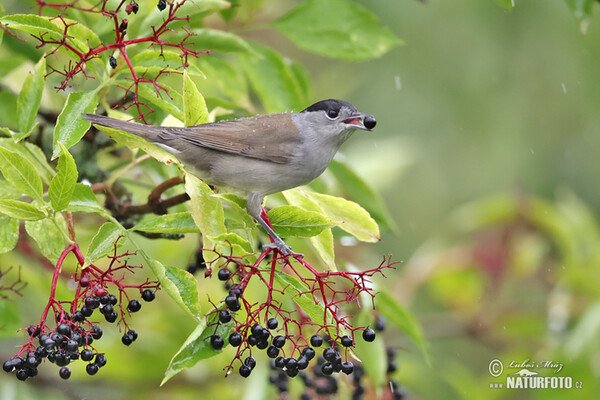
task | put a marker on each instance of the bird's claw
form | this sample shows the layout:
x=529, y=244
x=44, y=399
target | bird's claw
x=282, y=247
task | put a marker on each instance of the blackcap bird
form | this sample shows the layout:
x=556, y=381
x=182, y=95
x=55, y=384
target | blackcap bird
x=258, y=155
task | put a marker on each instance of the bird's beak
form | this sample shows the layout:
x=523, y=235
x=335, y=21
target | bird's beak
x=366, y=122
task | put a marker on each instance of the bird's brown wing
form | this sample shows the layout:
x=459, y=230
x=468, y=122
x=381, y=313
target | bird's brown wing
x=265, y=137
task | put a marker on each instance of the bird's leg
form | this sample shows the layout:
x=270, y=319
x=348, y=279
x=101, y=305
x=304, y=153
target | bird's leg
x=254, y=206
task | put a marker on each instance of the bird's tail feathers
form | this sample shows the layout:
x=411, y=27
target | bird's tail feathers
x=148, y=132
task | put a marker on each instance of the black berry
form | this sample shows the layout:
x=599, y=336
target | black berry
x=134, y=306
x=224, y=274
x=379, y=323
x=216, y=342
x=278, y=341
x=126, y=339
x=162, y=4
x=148, y=295
x=272, y=323
x=235, y=339
x=346, y=341
x=245, y=371
x=91, y=369
x=316, y=341
x=309, y=353
x=327, y=368
x=112, y=61
x=329, y=354
x=65, y=373
x=347, y=367
x=87, y=355
x=232, y=303
x=250, y=361
x=100, y=360
x=368, y=335
x=272, y=352
x=224, y=316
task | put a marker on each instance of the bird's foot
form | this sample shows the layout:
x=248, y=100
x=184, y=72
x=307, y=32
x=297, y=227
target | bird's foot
x=282, y=247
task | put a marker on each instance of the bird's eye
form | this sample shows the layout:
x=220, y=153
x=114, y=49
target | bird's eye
x=332, y=114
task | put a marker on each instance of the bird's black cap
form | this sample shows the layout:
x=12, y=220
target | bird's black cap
x=330, y=104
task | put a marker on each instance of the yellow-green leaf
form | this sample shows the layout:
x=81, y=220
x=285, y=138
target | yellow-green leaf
x=30, y=98
x=20, y=173
x=194, y=106
x=63, y=184
x=20, y=210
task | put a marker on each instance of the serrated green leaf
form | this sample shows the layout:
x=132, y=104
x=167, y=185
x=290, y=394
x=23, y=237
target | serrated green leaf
x=33, y=154
x=338, y=29
x=8, y=191
x=103, y=243
x=63, y=184
x=9, y=233
x=135, y=142
x=194, y=106
x=154, y=61
x=30, y=98
x=169, y=223
x=171, y=103
x=196, y=10
x=221, y=41
x=33, y=24
x=232, y=243
x=323, y=242
x=47, y=236
x=83, y=199
x=400, y=316
x=292, y=221
x=358, y=190
x=197, y=346
x=179, y=284
x=347, y=215
x=20, y=210
x=207, y=212
x=70, y=125
x=79, y=36
x=20, y=173
x=273, y=80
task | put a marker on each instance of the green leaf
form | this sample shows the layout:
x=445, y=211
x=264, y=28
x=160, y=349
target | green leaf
x=63, y=184
x=48, y=236
x=582, y=9
x=84, y=200
x=9, y=233
x=20, y=173
x=292, y=221
x=348, y=215
x=171, y=103
x=30, y=98
x=10, y=317
x=8, y=191
x=70, y=126
x=221, y=41
x=400, y=316
x=196, y=10
x=169, y=223
x=33, y=154
x=194, y=106
x=273, y=80
x=323, y=242
x=179, y=284
x=232, y=243
x=103, y=243
x=20, y=210
x=197, y=346
x=358, y=190
x=154, y=61
x=207, y=212
x=338, y=29
x=33, y=24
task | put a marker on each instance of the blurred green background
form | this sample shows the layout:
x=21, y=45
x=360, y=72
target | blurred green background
x=486, y=153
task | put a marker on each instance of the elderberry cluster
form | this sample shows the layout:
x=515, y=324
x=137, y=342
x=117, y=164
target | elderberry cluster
x=72, y=338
